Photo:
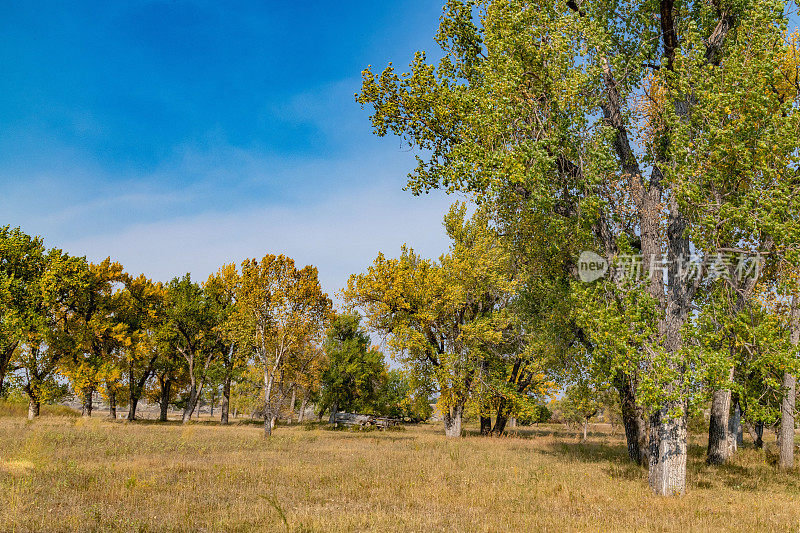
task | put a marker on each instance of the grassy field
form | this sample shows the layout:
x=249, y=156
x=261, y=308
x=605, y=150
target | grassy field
x=66, y=474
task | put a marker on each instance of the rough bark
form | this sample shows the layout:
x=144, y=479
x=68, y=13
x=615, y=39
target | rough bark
x=226, y=399
x=133, y=403
x=718, y=443
x=501, y=419
x=486, y=425
x=166, y=388
x=632, y=420
x=268, y=416
x=87, y=402
x=292, y=404
x=33, y=408
x=452, y=421
x=303, y=408
x=194, y=394
x=734, y=426
x=786, y=453
x=667, y=473
x=112, y=404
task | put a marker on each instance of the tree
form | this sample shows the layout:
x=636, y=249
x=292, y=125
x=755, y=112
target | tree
x=440, y=317
x=354, y=372
x=47, y=335
x=22, y=263
x=538, y=103
x=580, y=403
x=401, y=397
x=279, y=308
x=222, y=289
x=140, y=309
x=188, y=323
x=96, y=331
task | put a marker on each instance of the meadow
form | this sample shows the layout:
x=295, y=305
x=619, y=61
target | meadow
x=65, y=473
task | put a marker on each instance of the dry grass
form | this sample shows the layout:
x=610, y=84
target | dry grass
x=66, y=474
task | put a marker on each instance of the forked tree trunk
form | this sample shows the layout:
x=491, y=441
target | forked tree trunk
x=452, y=421
x=667, y=472
x=786, y=454
x=226, y=399
x=501, y=419
x=267, y=404
x=486, y=425
x=194, y=395
x=632, y=420
x=166, y=389
x=303, y=408
x=87, y=402
x=33, y=408
x=133, y=403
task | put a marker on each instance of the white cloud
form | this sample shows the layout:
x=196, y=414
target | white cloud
x=340, y=235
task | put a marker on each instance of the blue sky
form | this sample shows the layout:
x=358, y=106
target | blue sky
x=176, y=136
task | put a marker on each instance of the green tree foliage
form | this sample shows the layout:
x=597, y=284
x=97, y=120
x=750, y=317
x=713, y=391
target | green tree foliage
x=634, y=128
x=354, y=372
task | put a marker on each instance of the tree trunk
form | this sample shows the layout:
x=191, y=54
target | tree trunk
x=632, y=420
x=734, y=426
x=667, y=473
x=452, y=421
x=166, y=388
x=585, y=428
x=786, y=455
x=133, y=402
x=486, y=425
x=512, y=422
x=87, y=402
x=267, y=404
x=112, y=404
x=501, y=419
x=303, y=408
x=33, y=408
x=292, y=404
x=211, y=404
x=194, y=395
x=718, y=445
x=226, y=399
x=759, y=434
x=334, y=410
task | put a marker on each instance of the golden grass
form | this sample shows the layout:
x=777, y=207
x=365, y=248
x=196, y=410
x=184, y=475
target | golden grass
x=62, y=474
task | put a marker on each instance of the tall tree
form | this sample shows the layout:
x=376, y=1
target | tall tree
x=22, y=263
x=354, y=371
x=189, y=321
x=440, y=317
x=540, y=100
x=279, y=307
